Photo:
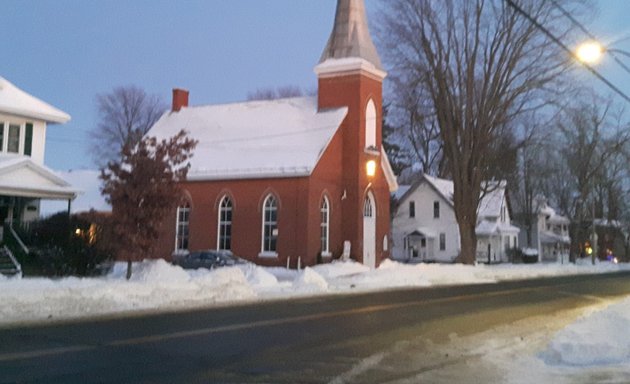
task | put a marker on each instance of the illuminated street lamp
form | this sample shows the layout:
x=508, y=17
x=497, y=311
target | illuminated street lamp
x=590, y=52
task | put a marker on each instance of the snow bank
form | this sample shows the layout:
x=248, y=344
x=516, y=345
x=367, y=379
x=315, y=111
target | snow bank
x=600, y=338
x=158, y=285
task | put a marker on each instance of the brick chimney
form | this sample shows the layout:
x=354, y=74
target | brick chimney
x=180, y=99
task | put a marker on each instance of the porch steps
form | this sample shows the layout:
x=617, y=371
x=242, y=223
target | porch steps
x=8, y=265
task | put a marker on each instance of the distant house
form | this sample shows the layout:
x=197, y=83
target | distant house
x=24, y=180
x=549, y=233
x=424, y=227
x=303, y=178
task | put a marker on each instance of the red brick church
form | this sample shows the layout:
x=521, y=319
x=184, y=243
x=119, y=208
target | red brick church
x=291, y=178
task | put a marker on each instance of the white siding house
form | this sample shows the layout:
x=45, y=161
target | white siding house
x=424, y=228
x=24, y=179
x=549, y=234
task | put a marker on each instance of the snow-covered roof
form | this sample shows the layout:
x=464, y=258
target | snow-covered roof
x=17, y=102
x=402, y=189
x=548, y=237
x=489, y=206
x=551, y=216
x=256, y=139
x=424, y=231
x=21, y=176
x=493, y=200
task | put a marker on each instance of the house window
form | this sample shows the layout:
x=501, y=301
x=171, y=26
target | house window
x=270, y=225
x=385, y=243
x=370, y=126
x=412, y=209
x=503, y=214
x=436, y=209
x=28, y=139
x=1, y=137
x=324, y=211
x=225, y=224
x=442, y=241
x=13, y=142
x=183, y=227
x=507, y=243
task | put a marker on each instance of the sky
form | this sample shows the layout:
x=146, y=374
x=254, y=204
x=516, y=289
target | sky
x=65, y=52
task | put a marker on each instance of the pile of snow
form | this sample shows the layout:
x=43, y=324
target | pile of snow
x=600, y=338
x=158, y=285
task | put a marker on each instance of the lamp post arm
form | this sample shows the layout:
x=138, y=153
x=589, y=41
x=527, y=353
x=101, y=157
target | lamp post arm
x=613, y=53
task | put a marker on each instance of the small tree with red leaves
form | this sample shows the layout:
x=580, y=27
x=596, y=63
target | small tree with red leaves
x=143, y=189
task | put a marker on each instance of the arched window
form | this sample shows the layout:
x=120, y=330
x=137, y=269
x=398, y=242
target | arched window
x=270, y=225
x=324, y=210
x=370, y=125
x=182, y=227
x=224, y=236
x=367, y=207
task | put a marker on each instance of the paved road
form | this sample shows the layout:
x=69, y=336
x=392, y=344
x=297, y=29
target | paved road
x=316, y=340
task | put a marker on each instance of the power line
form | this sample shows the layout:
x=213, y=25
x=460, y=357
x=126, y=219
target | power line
x=567, y=49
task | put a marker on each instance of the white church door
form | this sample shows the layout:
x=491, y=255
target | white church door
x=369, y=231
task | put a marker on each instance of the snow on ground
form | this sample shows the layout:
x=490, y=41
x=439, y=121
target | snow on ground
x=597, y=339
x=158, y=285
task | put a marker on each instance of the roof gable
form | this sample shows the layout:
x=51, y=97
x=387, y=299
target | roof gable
x=270, y=138
x=17, y=102
x=20, y=176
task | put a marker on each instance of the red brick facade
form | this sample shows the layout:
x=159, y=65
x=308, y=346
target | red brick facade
x=340, y=175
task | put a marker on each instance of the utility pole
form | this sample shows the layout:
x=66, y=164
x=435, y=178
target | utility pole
x=593, y=237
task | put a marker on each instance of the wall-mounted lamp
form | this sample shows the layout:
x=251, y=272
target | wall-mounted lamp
x=370, y=168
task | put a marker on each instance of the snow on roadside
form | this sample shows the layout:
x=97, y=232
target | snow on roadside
x=158, y=285
x=599, y=338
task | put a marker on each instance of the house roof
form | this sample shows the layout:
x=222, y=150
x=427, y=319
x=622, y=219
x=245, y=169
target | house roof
x=21, y=176
x=256, y=139
x=15, y=101
x=489, y=206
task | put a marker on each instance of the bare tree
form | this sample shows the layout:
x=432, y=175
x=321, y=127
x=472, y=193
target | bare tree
x=142, y=188
x=275, y=93
x=481, y=65
x=125, y=115
x=592, y=140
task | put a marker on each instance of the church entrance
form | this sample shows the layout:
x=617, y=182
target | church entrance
x=369, y=231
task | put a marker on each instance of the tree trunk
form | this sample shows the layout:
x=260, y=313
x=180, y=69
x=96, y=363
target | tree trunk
x=468, y=239
x=129, y=264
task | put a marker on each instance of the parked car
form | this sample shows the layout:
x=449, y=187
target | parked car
x=209, y=259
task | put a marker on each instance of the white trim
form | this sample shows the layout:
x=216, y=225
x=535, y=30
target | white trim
x=326, y=200
x=220, y=211
x=263, y=252
x=268, y=255
x=388, y=172
x=348, y=66
x=370, y=126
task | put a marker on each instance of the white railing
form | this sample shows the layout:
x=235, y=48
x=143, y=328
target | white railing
x=17, y=238
x=17, y=265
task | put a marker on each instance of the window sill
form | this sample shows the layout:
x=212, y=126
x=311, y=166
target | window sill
x=326, y=254
x=268, y=255
x=372, y=151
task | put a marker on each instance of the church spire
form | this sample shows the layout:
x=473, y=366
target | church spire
x=350, y=37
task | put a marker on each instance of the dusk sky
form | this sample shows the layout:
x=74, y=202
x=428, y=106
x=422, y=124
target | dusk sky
x=67, y=51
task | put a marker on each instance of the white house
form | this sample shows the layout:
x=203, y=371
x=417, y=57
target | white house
x=24, y=180
x=424, y=227
x=549, y=234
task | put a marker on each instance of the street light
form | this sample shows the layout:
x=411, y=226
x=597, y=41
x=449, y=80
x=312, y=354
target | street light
x=590, y=52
